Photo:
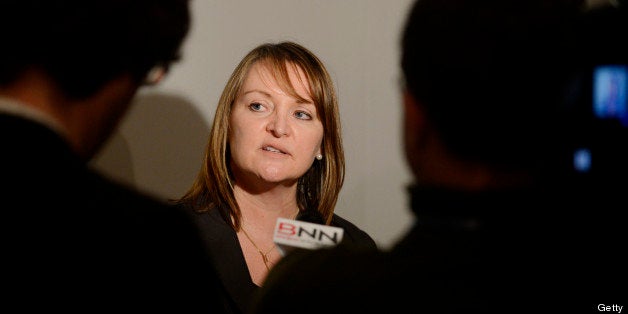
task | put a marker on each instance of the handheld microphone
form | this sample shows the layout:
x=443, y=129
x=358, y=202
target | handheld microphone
x=308, y=231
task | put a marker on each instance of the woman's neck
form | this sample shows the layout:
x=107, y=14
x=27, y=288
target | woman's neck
x=261, y=210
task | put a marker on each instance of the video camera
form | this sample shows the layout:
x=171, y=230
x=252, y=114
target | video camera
x=597, y=101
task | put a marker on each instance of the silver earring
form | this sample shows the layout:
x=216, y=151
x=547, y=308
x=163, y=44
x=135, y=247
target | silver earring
x=319, y=157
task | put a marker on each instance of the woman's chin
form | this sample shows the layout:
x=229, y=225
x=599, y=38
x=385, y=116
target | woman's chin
x=277, y=178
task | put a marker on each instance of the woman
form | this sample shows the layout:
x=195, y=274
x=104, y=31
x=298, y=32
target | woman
x=275, y=150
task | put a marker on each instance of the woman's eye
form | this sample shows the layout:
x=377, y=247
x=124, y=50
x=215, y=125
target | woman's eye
x=303, y=115
x=256, y=106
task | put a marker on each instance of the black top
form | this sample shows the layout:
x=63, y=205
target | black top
x=549, y=250
x=223, y=245
x=75, y=242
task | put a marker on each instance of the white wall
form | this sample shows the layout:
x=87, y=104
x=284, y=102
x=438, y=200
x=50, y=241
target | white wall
x=159, y=145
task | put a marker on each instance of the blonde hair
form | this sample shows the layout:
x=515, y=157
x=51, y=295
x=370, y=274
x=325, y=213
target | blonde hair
x=319, y=187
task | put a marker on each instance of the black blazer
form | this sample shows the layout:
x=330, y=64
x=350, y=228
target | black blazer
x=74, y=241
x=223, y=244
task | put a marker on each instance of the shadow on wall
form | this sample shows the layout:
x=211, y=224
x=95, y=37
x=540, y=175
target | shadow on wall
x=158, y=147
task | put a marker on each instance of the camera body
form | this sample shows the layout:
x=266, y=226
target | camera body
x=596, y=107
x=597, y=122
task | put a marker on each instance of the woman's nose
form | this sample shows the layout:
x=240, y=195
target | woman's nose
x=278, y=125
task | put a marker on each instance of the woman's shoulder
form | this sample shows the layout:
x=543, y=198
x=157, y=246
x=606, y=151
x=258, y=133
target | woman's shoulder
x=353, y=234
x=209, y=220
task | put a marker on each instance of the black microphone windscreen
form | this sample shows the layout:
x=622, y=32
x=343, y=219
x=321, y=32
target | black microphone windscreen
x=311, y=216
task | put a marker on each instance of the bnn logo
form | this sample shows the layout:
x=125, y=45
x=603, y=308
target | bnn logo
x=310, y=232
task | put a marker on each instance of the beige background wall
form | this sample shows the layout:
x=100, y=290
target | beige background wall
x=159, y=145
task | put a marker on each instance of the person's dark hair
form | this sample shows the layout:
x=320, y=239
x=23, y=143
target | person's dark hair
x=489, y=72
x=96, y=40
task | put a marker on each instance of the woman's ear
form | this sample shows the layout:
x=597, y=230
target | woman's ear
x=319, y=155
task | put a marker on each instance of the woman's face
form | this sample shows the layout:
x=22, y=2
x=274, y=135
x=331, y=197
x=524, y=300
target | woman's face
x=274, y=137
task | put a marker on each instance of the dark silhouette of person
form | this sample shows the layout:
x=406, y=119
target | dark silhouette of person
x=73, y=241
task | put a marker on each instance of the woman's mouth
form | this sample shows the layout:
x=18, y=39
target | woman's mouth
x=272, y=149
